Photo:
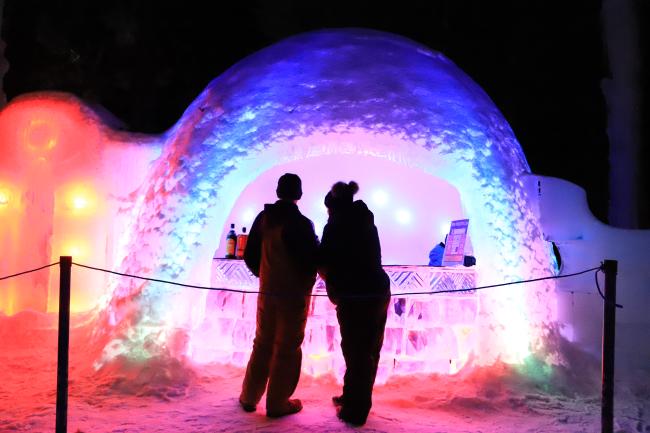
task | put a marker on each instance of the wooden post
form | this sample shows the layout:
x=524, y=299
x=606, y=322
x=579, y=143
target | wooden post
x=65, y=266
x=609, y=334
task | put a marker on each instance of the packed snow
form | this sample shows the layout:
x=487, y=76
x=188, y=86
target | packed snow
x=162, y=394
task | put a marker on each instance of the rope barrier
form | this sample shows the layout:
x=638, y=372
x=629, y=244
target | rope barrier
x=29, y=271
x=256, y=292
x=192, y=286
x=552, y=277
x=608, y=267
x=398, y=295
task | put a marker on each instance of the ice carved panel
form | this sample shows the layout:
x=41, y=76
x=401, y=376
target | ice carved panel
x=424, y=332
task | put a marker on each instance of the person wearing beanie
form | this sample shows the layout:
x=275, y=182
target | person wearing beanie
x=281, y=251
x=350, y=264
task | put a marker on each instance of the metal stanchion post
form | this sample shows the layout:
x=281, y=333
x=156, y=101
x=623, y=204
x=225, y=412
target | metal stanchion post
x=609, y=334
x=65, y=266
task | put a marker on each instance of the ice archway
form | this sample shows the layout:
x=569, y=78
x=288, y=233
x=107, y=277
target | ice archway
x=339, y=92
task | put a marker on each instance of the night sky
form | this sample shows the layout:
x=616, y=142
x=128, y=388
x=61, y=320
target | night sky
x=145, y=61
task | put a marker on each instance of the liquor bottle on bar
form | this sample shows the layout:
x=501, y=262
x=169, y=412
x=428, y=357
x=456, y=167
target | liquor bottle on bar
x=242, y=238
x=231, y=243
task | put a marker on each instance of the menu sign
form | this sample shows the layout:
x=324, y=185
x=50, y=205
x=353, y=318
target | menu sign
x=455, y=246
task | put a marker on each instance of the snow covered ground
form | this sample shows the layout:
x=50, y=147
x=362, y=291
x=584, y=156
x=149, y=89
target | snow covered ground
x=166, y=395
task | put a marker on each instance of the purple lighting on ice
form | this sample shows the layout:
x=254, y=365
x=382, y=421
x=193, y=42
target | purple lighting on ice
x=425, y=143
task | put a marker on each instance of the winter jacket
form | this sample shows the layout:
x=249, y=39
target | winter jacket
x=281, y=250
x=350, y=255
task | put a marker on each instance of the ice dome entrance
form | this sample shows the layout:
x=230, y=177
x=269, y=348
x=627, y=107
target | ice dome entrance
x=348, y=92
x=413, y=210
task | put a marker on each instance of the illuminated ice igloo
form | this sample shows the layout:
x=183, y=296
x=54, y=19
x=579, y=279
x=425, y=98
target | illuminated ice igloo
x=329, y=105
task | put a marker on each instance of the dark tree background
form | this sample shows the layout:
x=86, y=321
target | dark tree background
x=145, y=61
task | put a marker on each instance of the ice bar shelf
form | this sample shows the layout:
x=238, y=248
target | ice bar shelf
x=428, y=332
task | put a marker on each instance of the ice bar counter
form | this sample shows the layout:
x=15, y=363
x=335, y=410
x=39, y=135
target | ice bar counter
x=425, y=333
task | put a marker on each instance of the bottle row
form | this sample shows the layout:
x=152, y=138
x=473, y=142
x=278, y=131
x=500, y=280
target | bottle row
x=236, y=243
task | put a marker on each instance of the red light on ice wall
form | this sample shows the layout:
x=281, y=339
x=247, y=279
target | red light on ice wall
x=48, y=127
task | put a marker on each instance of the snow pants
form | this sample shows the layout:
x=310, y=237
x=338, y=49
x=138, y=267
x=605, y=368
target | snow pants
x=362, y=324
x=276, y=356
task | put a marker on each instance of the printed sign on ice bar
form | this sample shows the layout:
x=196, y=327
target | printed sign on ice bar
x=455, y=247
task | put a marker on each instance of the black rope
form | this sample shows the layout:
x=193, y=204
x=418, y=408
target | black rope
x=27, y=272
x=600, y=269
x=552, y=277
x=399, y=295
x=192, y=286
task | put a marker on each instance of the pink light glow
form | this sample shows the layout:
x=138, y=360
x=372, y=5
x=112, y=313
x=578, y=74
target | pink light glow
x=405, y=239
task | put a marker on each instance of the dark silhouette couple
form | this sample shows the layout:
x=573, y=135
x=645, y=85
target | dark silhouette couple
x=284, y=252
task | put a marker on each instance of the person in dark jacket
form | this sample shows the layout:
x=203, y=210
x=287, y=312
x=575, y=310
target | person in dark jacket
x=350, y=263
x=281, y=251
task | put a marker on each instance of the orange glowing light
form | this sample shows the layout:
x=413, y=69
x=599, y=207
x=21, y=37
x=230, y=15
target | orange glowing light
x=79, y=202
x=7, y=195
x=75, y=250
x=77, y=247
x=80, y=198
